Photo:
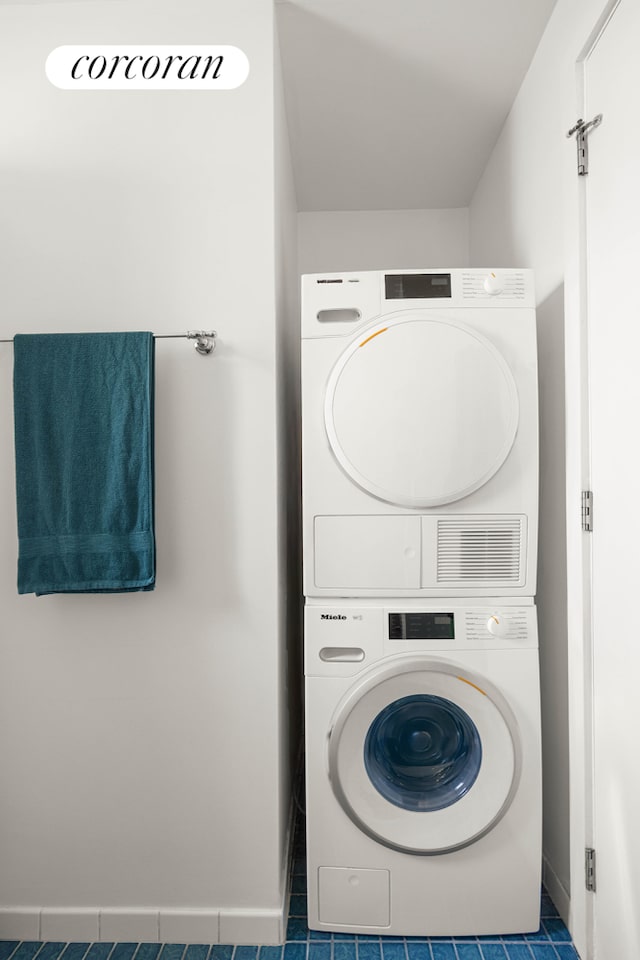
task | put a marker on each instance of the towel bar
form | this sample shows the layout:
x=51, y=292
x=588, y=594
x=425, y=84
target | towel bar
x=205, y=340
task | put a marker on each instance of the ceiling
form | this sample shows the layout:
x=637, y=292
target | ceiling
x=397, y=105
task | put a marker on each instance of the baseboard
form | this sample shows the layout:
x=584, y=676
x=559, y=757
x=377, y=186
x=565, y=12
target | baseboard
x=56, y=923
x=189, y=926
x=556, y=890
x=250, y=927
x=19, y=923
x=120, y=924
x=244, y=926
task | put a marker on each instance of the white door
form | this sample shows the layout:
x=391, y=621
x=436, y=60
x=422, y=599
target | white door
x=424, y=756
x=612, y=198
x=421, y=410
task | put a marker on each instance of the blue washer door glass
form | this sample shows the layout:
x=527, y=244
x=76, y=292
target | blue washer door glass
x=422, y=752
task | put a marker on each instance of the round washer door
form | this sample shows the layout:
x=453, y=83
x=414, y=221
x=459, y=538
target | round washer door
x=424, y=757
x=421, y=410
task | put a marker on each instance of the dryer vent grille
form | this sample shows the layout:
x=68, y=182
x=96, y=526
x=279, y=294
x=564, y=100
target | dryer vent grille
x=479, y=549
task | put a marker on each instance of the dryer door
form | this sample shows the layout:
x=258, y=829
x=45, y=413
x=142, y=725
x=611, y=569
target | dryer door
x=421, y=410
x=424, y=757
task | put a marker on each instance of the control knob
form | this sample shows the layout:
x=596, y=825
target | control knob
x=498, y=625
x=492, y=284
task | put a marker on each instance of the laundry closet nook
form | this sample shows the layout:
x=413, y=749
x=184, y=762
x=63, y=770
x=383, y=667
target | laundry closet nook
x=151, y=740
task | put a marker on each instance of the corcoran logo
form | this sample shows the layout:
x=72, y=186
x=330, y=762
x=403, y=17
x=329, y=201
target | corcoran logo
x=147, y=67
x=332, y=616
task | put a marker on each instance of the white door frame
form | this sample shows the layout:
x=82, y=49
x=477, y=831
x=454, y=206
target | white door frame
x=580, y=640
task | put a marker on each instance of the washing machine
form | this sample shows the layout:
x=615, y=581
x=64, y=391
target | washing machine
x=420, y=433
x=423, y=766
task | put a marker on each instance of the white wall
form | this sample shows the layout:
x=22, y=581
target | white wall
x=517, y=217
x=289, y=425
x=382, y=239
x=140, y=735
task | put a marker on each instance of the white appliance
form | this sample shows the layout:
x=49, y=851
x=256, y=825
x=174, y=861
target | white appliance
x=423, y=767
x=420, y=433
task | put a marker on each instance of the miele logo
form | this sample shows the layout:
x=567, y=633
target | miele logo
x=332, y=616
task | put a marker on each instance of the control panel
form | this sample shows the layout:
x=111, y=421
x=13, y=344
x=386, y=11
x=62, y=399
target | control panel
x=351, y=634
x=335, y=304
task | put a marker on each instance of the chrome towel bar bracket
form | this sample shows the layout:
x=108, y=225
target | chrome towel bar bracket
x=205, y=341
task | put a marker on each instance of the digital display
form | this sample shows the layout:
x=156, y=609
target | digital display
x=417, y=286
x=421, y=626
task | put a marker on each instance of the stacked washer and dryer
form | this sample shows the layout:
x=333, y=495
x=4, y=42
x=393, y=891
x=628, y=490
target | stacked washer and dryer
x=420, y=510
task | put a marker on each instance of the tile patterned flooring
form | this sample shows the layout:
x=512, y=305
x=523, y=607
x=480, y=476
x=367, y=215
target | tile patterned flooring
x=551, y=942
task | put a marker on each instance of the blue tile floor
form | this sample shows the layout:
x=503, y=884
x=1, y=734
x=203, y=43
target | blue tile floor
x=551, y=942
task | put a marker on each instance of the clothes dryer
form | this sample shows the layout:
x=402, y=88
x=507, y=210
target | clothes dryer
x=423, y=767
x=420, y=433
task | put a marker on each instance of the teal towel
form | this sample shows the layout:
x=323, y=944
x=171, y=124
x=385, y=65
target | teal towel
x=83, y=414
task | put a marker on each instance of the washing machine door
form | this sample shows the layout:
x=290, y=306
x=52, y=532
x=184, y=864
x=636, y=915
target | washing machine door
x=421, y=410
x=424, y=756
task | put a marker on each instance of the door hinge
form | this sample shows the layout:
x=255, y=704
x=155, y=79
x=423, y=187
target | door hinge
x=590, y=869
x=587, y=510
x=581, y=129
